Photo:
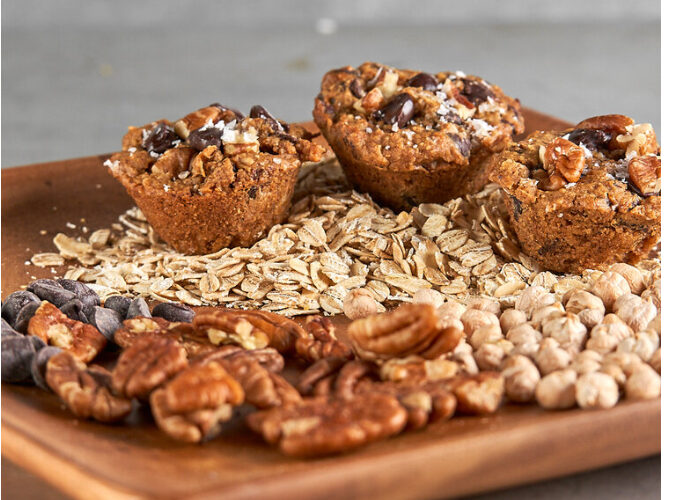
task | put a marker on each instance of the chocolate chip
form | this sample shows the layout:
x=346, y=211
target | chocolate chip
x=15, y=301
x=106, y=321
x=476, y=92
x=238, y=114
x=399, y=110
x=592, y=139
x=26, y=313
x=356, y=88
x=7, y=329
x=138, y=307
x=89, y=298
x=159, y=139
x=423, y=80
x=51, y=291
x=202, y=138
x=258, y=111
x=462, y=143
x=252, y=192
x=517, y=207
x=17, y=356
x=38, y=367
x=74, y=309
x=118, y=303
x=173, y=312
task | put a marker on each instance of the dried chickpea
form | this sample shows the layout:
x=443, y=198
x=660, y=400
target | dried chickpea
x=567, y=330
x=550, y=358
x=525, y=338
x=532, y=298
x=428, y=296
x=652, y=293
x=591, y=317
x=557, y=390
x=511, y=318
x=609, y=287
x=473, y=319
x=587, y=361
x=486, y=333
x=632, y=275
x=589, y=308
x=655, y=325
x=451, y=309
x=641, y=345
x=601, y=340
x=643, y=383
x=614, y=371
x=635, y=311
x=466, y=362
x=655, y=361
x=615, y=327
x=359, y=303
x=627, y=361
x=596, y=390
x=489, y=356
x=544, y=313
x=484, y=304
x=521, y=378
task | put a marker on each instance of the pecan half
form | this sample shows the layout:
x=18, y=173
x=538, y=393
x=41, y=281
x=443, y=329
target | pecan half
x=196, y=120
x=192, y=339
x=416, y=369
x=564, y=158
x=85, y=391
x=148, y=363
x=195, y=404
x=644, y=172
x=324, y=425
x=613, y=124
x=410, y=329
x=321, y=342
x=639, y=140
x=55, y=328
x=321, y=370
x=251, y=329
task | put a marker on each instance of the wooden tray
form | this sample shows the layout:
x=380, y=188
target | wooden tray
x=84, y=459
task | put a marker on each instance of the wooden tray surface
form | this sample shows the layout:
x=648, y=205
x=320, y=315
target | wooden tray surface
x=85, y=459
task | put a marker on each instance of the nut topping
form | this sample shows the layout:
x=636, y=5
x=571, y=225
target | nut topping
x=644, y=172
x=399, y=110
x=55, y=328
x=159, y=139
x=372, y=100
x=564, y=158
x=321, y=342
x=192, y=339
x=613, y=124
x=410, y=329
x=85, y=391
x=196, y=120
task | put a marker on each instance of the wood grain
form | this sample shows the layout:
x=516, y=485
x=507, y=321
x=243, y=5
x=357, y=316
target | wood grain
x=88, y=460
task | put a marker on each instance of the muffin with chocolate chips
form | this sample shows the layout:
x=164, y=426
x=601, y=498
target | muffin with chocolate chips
x=585, y=197
x=407, y=137
x=214, y=178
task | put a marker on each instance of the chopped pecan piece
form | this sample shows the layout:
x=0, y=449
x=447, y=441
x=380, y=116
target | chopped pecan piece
x=251, y=329
x=85, y=391
x=564, y=158
x=197, y=119
x=148, y=363
x=324, y=425
x=195, y=404
x=321, y=370
x=410, y=329
x=613, y=124
x=415, y=369
x=55, y=328
x=645, y=172
x=192, y=339
x=479, y=394
x=639, y=140
x=321, y=342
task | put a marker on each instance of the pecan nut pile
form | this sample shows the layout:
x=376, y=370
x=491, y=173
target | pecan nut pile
x=321, y=341
x=410, y=329
x=192, y=339
x=325, y=425
x=196, y=403
x=83, y=341
x=86, y=391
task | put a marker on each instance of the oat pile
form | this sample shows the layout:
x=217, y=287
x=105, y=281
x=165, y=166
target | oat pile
x=335, y=240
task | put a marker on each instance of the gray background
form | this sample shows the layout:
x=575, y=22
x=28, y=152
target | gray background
x=76, y=73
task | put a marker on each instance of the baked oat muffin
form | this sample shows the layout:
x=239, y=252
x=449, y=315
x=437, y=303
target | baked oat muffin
x=407, y=137
x=585, y=197
x=214, y=178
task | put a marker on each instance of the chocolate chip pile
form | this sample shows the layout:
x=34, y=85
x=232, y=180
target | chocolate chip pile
x=399, y=371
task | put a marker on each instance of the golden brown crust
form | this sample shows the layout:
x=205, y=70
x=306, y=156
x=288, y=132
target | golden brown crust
x=441, y=152
x=225, y=189
x=599, y=219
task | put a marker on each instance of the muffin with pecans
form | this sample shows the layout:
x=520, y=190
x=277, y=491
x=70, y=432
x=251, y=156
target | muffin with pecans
x=214, y=178
x=585, y=197
x=407, y=137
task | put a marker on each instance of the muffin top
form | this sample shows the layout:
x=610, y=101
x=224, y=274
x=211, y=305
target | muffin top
x=213, y=148
x=605, y=162
x=405, y=119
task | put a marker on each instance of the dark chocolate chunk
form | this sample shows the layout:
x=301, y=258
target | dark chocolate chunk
x=38, y=367
x=7, y=329
x=399, y=110
x=252, y=192
x=238, y=114
x=107, y=321
x=26, y=313
x=15, y=302
x=173, y=312
x=138, y=307
x=17, y=356
x=159, y=139
x=51, y=291
x=462, y=143
x=476, y=92
x=118, y=303
x=357, y=88
x=423, y=80
x=89, y=298
x=258, y=111
x=202, y=138
x=74, y=309
x=592, y=139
